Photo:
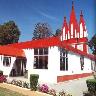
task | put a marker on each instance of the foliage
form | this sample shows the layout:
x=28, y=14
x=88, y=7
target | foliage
x=92, y=44
x=44, y=88
x=20, y=83
x=1, y=72
x=2, y=79
x=42, y=30
x=91, y=84
x=25, y=85
x=34, y=81
x=52, y=92
x=58, y=32
x=87, y=94
x=9, y=33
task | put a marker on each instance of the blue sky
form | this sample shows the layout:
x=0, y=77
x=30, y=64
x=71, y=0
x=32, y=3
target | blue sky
x=26, y=13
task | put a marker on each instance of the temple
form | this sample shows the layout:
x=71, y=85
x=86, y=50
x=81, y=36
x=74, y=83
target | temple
x=55, y=59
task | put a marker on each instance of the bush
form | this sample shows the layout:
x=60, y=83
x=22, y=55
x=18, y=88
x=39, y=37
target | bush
x=2, y=79
x=52, y=92
x=87, y=94
x=91, y=84
x=44, y=88
x=25, y=85
x=34, y=81
x=1, y=72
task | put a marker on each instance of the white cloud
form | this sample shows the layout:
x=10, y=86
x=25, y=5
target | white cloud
x=48, y=16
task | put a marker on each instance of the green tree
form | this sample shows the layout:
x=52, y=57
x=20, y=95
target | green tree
x=42, y=30
x=92, y=44
x=9, y=33
x=58, y=32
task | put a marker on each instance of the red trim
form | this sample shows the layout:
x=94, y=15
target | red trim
x=75, y=40
x=85, y=48
x=72, y=77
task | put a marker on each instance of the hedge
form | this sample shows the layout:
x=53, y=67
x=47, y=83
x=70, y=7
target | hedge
x=91, y=84
x=1, y=72
x=34, y=81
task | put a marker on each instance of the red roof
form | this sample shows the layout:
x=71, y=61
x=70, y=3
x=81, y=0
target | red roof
x=47, y=42
x=9, y=51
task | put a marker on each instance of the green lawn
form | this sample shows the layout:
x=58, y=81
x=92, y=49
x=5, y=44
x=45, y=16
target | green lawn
x=6, y=92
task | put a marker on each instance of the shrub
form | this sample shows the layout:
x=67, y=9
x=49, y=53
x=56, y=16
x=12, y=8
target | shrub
x=19, y=83
x=44, y=88
x=62, y=93
x=52, y=92
x=25, y=85
x=34, y=81
x=2, y=79
x=1, y=72
x=87, y=94
x=91, y=84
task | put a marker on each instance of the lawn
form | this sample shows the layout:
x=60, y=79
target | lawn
x=7, y=92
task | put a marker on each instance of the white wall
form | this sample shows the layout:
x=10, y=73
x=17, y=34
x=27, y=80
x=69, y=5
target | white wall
x=74, y=66
x=29, y=53
x=50, y=75
x=6, y=69
x=45, y=75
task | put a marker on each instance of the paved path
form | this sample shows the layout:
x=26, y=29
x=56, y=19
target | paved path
x=74, y=87
x=23, y=91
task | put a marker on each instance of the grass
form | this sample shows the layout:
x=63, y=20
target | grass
x=7, y=92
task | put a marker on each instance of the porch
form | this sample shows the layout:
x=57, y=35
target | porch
x=19, y=68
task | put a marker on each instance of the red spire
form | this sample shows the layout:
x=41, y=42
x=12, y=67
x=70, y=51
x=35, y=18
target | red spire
x=65, y=25
x=72, y=16
x=72, y=4
x=82, y=21
x=73, y=21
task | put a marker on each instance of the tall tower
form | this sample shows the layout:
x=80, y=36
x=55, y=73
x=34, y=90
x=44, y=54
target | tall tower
x=83, y=34
x=75, y=32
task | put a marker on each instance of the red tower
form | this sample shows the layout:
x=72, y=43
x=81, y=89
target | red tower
x=75, y=33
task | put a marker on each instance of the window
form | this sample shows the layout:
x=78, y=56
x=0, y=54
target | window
x=92, y=65
x=7, y=61
x=41, y=58
x=82, y=62
x=63, y=59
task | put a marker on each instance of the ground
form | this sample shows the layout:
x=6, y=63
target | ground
x=7, y=92
x=20, y=90
x=74, y=87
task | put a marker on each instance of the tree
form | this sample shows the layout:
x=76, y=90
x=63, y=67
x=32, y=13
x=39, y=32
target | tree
x=42, y=30
x=58, y=32
x=92, y=44
x=9, y=33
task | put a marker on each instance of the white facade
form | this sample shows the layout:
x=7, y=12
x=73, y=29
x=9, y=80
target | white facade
x=50, y=75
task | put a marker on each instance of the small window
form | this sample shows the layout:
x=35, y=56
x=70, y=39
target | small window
x=63, y=59
x=82, y=62
x=7, y=61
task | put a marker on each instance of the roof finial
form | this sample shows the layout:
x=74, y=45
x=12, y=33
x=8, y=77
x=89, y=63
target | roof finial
x=72, y=4
x=64, y=17
x=81, y=14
